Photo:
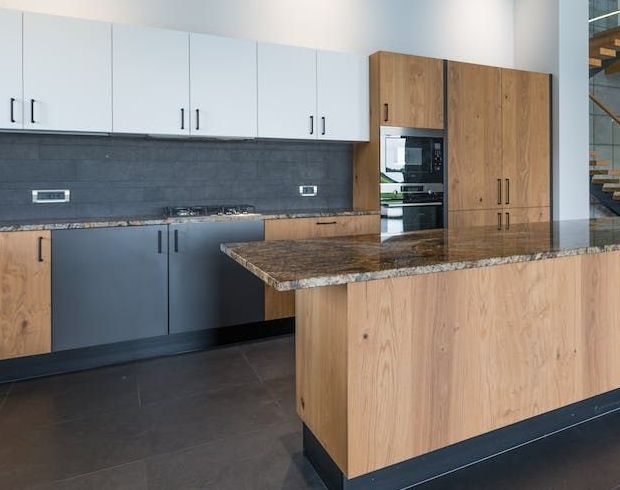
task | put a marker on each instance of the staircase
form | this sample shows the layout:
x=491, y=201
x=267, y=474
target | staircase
x=604, y=51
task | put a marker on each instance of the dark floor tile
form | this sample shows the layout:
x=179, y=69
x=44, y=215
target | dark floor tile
x=4, y=391
x=283, y=390
x=272, y=358
x=54, y=452
x=267, y=459
x=131, y=476
x=59, y=398
x=184, y=422
x=162, y=379
x=581, y=458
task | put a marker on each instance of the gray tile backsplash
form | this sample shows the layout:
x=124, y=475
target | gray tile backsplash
x=116, y=176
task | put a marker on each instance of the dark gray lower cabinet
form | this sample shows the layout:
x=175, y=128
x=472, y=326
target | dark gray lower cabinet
x=109, y=285
x=207, y=288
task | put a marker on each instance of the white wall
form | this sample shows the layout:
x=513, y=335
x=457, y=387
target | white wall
x=469, y=30
x=552, y=36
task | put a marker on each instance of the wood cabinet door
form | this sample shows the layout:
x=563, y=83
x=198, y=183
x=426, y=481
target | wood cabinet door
x=526, y=138
x=411, y=91
x=150, y=80
x=286, y=92
x=223, y=86
x=475, y=177
x=11, y=100
x=526, y=215
x=25, y=294
x=67, y=74
x=342, y=96
x=482, y=217
x=281, y=304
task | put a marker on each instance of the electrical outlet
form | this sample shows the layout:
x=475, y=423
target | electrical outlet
x=308, y=190
x=51, y=196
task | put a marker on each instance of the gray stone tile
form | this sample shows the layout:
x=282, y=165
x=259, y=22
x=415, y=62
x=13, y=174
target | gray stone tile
x=283, y=390
x=173, y=377
x=45, y=454
x=131, y=476
x=265, y=459
x=273, y=358
x=184, y=422
x=56, y=399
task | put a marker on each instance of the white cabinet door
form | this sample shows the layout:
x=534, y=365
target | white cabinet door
x=286, y=92
x=150, y=80
x=222, y=86
x=11, y=100
x=67, y=74
x=342, y=96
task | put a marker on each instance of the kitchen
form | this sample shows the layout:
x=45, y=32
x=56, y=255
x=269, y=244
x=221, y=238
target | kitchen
x=121, y=182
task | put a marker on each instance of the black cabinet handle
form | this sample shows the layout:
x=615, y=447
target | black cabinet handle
x=159, y=242
x=13, y=110
x=507, y=191
x=508, y=221
x=32, y=101
x=182, y=118
x=323, y=124
x=386, y=112
x=326, y=222
x=197, y=119
x=176, y=241
x=499, y=191
x=499, y=221
x=40, y=249
x=311, y=124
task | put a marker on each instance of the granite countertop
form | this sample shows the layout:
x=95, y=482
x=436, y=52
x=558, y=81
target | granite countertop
x=67, y=224
x=297, y=264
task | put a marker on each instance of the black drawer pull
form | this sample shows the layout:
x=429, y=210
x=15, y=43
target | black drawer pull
x=40, y=249
x=159, y=242
x=13, y=109
x=176, y=241
x=326, y=222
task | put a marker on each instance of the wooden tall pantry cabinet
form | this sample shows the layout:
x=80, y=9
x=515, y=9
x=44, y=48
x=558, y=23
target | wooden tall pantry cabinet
x=498, y=133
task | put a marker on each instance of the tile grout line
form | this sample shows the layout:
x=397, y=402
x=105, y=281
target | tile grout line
x=6, y=395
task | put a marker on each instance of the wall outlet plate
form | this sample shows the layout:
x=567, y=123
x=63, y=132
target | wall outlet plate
x=308, y=190
x=51, y=196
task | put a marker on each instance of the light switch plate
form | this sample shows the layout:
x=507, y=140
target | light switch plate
x=308, y=190
x=51, y=196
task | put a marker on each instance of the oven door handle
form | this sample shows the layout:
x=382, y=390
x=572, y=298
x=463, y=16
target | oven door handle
x=414, y=204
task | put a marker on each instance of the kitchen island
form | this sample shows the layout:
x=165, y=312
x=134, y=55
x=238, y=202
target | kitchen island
x=420, y=352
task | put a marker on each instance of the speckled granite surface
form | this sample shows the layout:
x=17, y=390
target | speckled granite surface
x=298, y=264
x=145, y=221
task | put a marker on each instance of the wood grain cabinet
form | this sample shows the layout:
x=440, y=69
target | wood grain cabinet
x=25, y=294
x=282, y=304
x=411, y=90
x=498, y=146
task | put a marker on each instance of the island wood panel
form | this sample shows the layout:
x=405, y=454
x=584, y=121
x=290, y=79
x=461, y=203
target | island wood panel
x=366, y=156
x=526, y=138
x=435, y=359
x=25, y=294
x=321, y=365
x=281, y=304
x=474, y=137
x=411, y=91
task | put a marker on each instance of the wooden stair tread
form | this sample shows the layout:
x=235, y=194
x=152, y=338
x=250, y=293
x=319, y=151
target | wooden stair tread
x=595, y=170
x=594, y=63
x=605, y=179
x=599, y=163
x=602, y=53
x=616, y=196
x=611, y=187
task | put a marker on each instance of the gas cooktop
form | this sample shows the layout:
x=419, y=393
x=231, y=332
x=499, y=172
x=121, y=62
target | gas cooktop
x=213, y=210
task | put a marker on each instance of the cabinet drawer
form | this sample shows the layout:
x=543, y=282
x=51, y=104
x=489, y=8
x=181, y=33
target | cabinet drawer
x=302, y=228
x=282, y=304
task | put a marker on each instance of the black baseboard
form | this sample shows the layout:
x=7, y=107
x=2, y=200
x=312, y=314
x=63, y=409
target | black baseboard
x=134, y=350
x=428, y=466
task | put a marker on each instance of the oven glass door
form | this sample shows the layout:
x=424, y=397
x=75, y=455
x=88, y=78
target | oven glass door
x=399, y=218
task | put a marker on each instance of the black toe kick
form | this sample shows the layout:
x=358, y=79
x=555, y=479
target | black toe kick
x=428, y=466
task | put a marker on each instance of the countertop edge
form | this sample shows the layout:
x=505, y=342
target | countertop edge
x=127, y=222
x=340, y=279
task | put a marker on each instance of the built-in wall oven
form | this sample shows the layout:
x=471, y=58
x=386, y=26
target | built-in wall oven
x=412, y=179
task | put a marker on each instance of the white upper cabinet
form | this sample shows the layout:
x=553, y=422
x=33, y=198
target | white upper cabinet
x=150, y=80
x=222, y=86
x=11, y=63
x=286, y=92
x=67, y=74
x=342, y=96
